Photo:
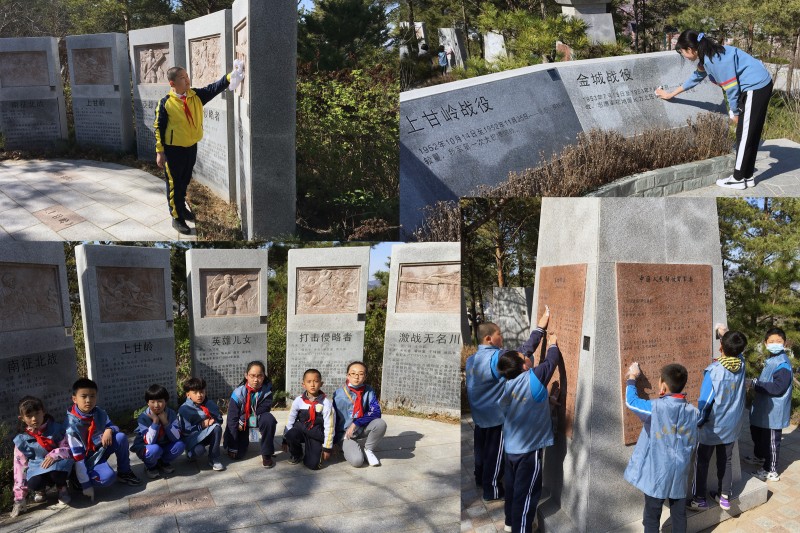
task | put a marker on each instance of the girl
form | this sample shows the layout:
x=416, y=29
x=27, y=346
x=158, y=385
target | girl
x=358, y=415
x=748, y=86
x=41, y=455
x=158, y=434
x=248, y=412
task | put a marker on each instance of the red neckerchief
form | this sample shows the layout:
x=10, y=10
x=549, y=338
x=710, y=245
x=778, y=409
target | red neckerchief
x=678, y=395
x=249, y=390
x=90, y=447
x=205, y=410
x=358, y=406
x=44, y=442
x=312, y=410
x=160, y=432
x=186, y=110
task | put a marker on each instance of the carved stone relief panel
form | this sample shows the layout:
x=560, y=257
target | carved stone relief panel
x=204, y=60
x=152, y=63
x=29, y=297
x=130, y=294
x=240, y=48
x=327, y=290
x=93, y=66
x=429, y=288
x=229, y=292
x=24, y=69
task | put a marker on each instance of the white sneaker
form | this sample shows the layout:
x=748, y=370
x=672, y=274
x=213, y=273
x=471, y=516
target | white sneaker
x=216, y=465
x=38, y=496
x=763, y=475
x=507, y=528
x=373, y=461
x=19, y=508
x=730, y=183
x=63, y=496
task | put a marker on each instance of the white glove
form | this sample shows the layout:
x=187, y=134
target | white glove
x=634, y=369
x=237, y=75
x=730, y=113
x=89, y=493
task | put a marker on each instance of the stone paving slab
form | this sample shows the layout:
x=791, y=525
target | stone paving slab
x=117, y=203
x=777, y=173
x=415, y=489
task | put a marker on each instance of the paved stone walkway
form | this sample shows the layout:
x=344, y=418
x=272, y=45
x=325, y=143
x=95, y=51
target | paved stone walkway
x=780, y=514
x=79, y=200
x=777, y=173
x=415, y=489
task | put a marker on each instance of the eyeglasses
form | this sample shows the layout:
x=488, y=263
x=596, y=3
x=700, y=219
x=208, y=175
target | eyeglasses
x=357, y=374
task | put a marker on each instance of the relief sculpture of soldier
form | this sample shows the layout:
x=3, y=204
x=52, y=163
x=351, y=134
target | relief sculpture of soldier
x=26, y=306
x=232, y=294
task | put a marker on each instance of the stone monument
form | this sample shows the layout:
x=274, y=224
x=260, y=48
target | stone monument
x=595, y=14
x=511, y=311
x=494, y=47
x=325, y=313
x=454, y=44
x=265, y=37
x=32, y=110
x=126, y=302
x=459, y=135
x=209, y=56
x=228, y=302
x=101, y=90
x=38, y=355
x=422, y=38
x=641, y=280
x=423, y=329
x=153, y=51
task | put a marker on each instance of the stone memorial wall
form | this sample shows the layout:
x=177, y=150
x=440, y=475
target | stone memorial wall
x=38, y=357
x=209, y=56
x=326, y=313
x=126, y=303
x=32, y=108
x=454, y=44
x=511, y=311
x=153, y=51
x=459, y=135
x=423, y=328
x=228, y=302
x=265, y=38
x=101, y=90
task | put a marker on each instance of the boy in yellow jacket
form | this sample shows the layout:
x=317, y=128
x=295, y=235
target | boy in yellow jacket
x=178, y=128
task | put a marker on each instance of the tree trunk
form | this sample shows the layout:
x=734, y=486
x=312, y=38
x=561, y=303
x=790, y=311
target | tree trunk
x=499, y=253
x=795, y=60
x=520, y=261
x=413, y=48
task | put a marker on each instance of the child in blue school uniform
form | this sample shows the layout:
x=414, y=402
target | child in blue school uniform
x=201, y=423
x=358, y=416
x=484, y=390
x=527, y=430
x=92, y=439
x=311, y=424
x=721, y=406
x=248, y=411
x=772, y=406
x=158, y=434
x=41, y=456
x=659, y=466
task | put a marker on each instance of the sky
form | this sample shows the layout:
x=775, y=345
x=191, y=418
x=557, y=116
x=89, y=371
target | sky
x=378, y=257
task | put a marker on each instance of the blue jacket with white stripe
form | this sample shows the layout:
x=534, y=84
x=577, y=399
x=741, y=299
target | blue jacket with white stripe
x=721, y=404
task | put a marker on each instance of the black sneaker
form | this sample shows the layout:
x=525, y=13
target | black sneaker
x=267, y=462
x=187, y=214
x=294, y=460
x=181, y=227
x=129, y=478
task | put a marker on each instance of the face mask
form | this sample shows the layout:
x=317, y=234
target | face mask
x=775, y=348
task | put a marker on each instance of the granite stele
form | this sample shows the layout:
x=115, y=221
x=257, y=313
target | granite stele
x=511, y=311
x=457, y=136
x=228, y=303
x=32, y=110
x=126, y=303
x=619, y=295
x=423, y=329
x=325, y=313
x=38, y=357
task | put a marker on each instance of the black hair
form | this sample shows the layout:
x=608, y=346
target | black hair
x=733, y=343
x=487, y=329
x=312, y=371
x=172, y=74
x=362, y=363
x=30, y=404
x=441, y=48
x=250, y=365
x=775, y=331
x=510, y=364
x=194, y=384
x=156, y=392
x=83, y=383
x=706, y=47
x=675, y=376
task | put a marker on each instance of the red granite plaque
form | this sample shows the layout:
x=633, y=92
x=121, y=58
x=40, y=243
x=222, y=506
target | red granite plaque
x=665, y=316
x=562, y=288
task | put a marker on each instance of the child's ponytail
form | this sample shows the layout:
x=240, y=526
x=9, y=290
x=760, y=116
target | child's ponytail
x=706, y=46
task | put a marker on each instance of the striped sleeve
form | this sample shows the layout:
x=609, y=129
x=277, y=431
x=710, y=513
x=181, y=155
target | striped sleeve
x=640, y=407
x=329, y=423
x=292, y=415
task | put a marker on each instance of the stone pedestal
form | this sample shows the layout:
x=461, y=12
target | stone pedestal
x=595, y=14
x=99, y=74
x=33, y=115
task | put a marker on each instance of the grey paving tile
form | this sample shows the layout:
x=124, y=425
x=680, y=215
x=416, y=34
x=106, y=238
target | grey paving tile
x=393, y=518
x=221, y=519
x=131, y=230
x=101, y=215
x=85, y=231
x=292, y=508
x=17, y=219
x=39, y=232
x=143, y=213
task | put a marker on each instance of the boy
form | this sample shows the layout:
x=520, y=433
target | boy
x=178, y=129
x=92, y=438
x=200, y=422
x=484, y=389
x=158, y=435
x=527, y=430
x=721, y=406
x=358, y=416
x=661, y=460
x=771, y=407
x=311, y=422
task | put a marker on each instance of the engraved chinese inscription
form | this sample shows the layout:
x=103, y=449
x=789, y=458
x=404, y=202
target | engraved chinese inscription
x=23, y=69
x=130, y=294
x=92, y=66
x=204, y=60
x=152, y=63
x=29, y=297
x=327, y=290
x=229, y=292
x=429, y=288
